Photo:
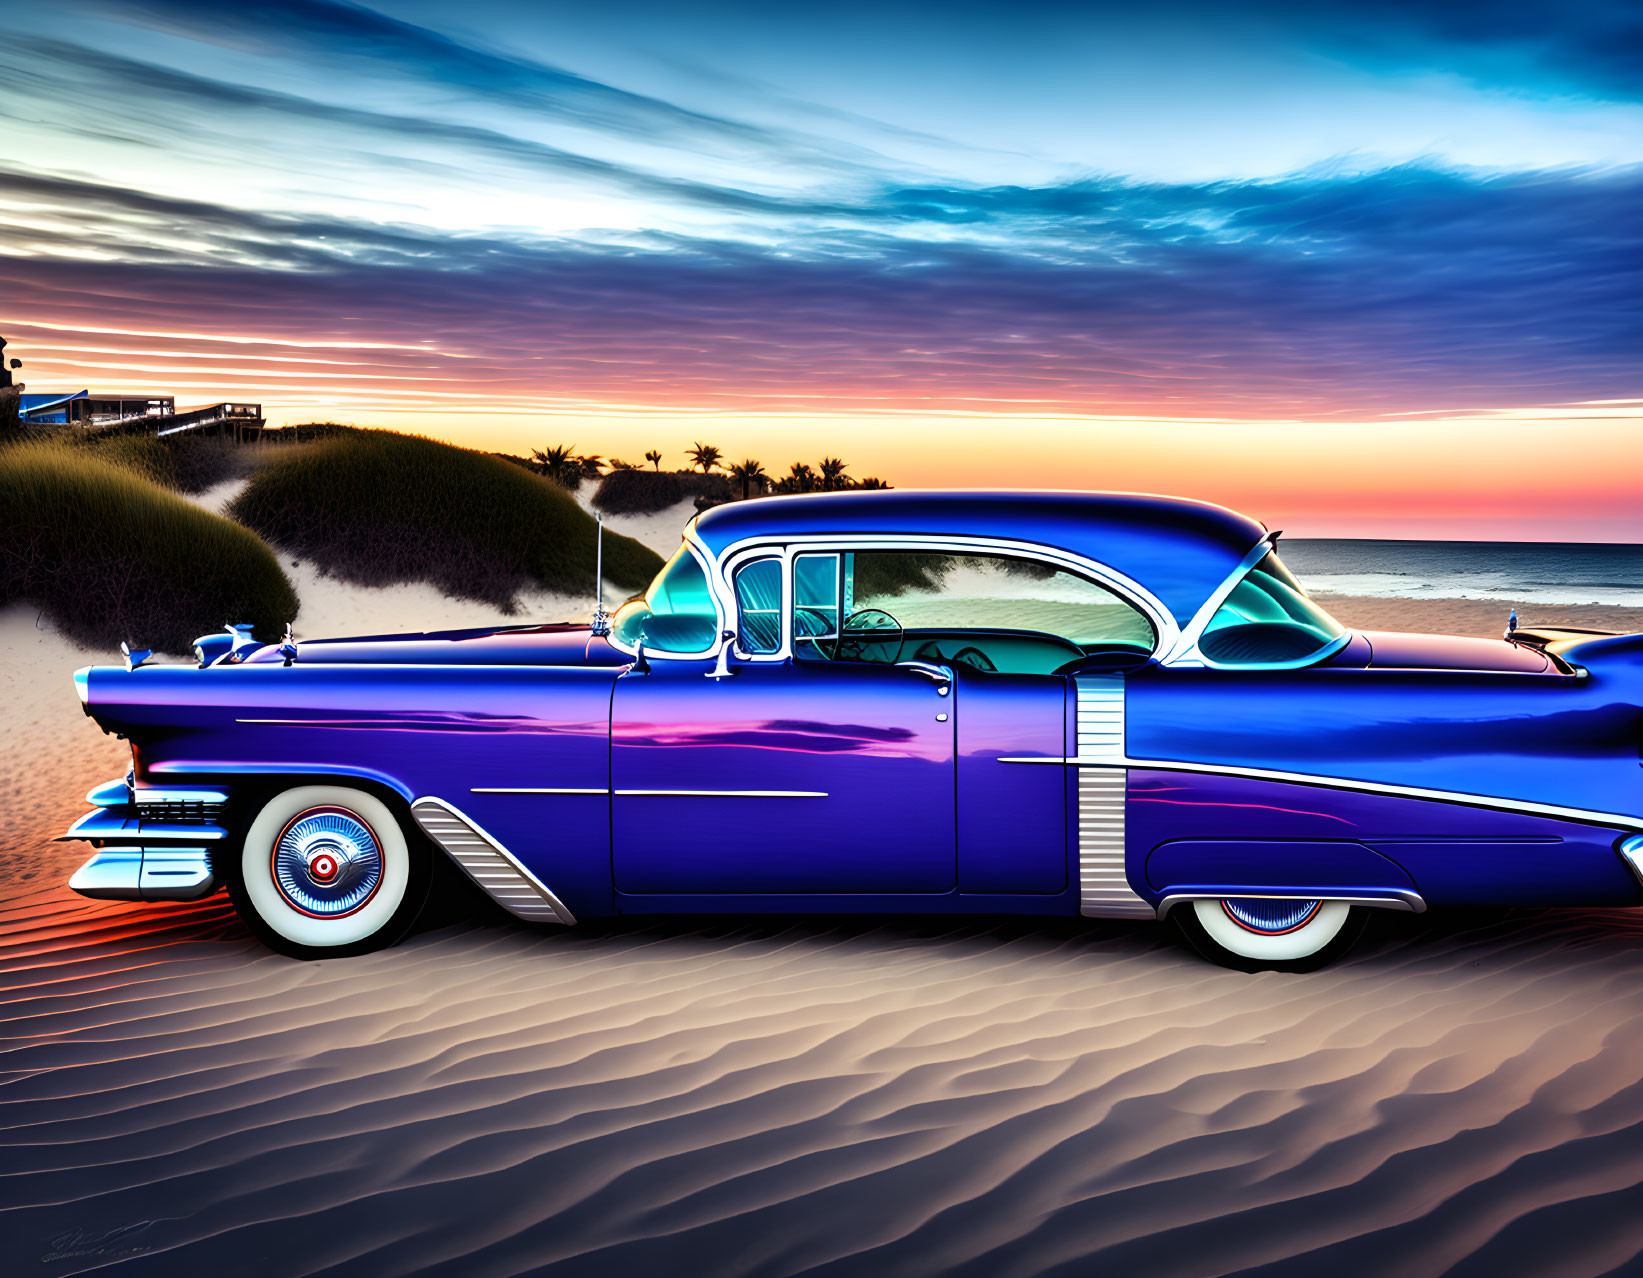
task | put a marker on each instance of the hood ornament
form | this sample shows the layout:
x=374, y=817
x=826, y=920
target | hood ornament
x=601, y=619
x=134, y=656
x=1511, y=623
x=288, y=645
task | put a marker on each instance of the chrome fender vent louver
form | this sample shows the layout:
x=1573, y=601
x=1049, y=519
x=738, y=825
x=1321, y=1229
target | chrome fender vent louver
x=489, y=864
x=1104, y=889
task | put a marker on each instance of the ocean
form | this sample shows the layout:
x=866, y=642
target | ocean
x=1545, y=572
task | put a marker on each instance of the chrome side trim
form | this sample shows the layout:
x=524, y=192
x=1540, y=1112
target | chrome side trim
x=1395, y=899
x=728, y=794
x=1586, y=815
x=107, y=823
x=1104, y=889
x=178, y=794
x=1631, y=852
x=538, y=789
x=145, y=874
x=495, y=869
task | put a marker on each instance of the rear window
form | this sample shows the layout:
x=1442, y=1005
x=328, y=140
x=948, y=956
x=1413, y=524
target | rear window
x=1268, y=620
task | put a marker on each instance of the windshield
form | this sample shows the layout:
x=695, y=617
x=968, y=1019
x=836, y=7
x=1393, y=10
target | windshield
x=1268, y=620
x=675, y=614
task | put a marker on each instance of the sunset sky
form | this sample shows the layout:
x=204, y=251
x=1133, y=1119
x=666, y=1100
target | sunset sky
x=1361, y=270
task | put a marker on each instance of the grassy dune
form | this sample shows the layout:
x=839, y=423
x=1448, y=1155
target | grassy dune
x=379, y=508
x=187, y=463
x=108, y=555
x=644, y=492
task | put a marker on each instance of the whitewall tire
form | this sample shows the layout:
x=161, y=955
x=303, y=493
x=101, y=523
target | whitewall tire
x=326, y=871
x=1255, y=934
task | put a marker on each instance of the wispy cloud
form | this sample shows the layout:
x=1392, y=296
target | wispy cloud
x=164, y=104
x=1412, y=289
x=376, y=43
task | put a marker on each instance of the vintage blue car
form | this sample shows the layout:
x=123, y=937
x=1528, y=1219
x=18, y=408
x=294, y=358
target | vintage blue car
x=1105, y=705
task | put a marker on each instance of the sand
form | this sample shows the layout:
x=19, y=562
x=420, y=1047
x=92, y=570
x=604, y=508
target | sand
x=773, y=1097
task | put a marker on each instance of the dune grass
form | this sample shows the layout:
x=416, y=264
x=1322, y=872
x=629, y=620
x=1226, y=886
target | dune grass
x=644, y=492
x=109, y=555
x=184, y=462
x=378, y=508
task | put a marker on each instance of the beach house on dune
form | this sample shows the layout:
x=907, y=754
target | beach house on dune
x=140, y=414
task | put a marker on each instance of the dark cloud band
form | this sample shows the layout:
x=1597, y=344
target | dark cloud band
x=1411, y=289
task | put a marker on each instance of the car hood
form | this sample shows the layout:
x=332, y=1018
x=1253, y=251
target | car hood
x=555, y=645
x=1387, y=649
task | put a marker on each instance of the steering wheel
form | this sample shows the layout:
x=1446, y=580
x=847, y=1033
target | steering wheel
x=975, y=658
x=869, y=630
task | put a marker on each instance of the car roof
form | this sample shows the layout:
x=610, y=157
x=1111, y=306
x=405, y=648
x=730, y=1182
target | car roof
x=1177, y=549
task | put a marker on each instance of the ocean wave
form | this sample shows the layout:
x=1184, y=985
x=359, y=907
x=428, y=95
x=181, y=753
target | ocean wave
x=1394, y=585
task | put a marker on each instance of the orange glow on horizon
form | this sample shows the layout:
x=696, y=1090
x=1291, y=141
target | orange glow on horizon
x=1560, y=472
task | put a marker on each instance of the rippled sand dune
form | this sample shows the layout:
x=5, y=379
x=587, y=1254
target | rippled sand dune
x=1464, y=1096
x=815, y=1097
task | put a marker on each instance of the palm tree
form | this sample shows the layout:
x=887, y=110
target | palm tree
x=654, y=458
x=704, y=455
x=799, y=479
x=616, y=463
x=560, y=464
x=590, y=467
x=747, y=472
x=870, y=482
x=832, y=474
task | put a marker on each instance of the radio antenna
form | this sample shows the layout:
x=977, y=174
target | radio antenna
x=601, y=622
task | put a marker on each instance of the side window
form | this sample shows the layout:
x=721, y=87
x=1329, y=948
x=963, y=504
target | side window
x=993, y=612
x=759, y=606
x=816, y=600
x=675, y=614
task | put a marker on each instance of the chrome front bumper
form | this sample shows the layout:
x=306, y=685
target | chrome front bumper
x=152, y=844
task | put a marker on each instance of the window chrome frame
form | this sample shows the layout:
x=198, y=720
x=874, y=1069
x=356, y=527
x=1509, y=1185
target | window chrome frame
x=1165, y=630
x=783, y=608
x=1187, y=651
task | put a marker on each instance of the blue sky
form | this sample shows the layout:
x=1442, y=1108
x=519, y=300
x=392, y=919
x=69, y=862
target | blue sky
x=493, y=220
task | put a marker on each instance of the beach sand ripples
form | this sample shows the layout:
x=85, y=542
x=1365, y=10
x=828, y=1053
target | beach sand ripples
x=730, y=1096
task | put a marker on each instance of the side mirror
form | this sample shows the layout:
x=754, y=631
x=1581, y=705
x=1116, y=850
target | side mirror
x=1108, y=659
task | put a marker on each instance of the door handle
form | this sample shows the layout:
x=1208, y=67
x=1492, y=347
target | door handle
x=941, y=676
